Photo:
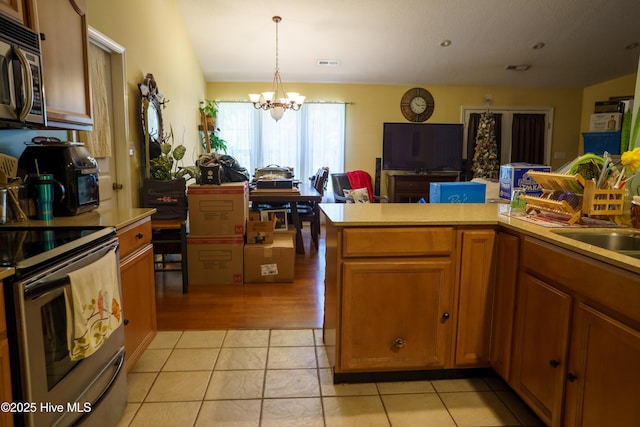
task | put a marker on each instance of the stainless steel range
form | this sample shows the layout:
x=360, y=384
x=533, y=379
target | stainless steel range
x=49, y=389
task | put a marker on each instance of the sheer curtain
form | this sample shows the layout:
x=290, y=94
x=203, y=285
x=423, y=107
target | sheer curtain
x=305, y=140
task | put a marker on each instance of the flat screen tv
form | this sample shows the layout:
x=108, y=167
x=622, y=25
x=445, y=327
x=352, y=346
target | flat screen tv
x=422, y=147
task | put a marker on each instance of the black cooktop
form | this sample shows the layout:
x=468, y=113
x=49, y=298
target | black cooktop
x=24, y=247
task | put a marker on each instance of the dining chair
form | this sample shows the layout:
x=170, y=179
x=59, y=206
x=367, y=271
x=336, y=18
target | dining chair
x=307, y=212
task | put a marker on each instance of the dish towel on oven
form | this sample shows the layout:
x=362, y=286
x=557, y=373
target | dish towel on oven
x=93, y=306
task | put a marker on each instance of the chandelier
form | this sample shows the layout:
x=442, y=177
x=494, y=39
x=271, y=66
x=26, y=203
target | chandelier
x=277, y=101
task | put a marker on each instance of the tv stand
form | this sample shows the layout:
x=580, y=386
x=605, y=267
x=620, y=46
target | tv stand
x=411, y=187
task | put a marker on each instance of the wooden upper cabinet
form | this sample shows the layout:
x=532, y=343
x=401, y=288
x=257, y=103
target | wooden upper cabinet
x=65, y=62
x=13, y=9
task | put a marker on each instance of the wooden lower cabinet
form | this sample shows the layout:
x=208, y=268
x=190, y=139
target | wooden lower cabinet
x=138, y=289
x=394, y=292
x=603, y=374
x=504, y=300
x=408, y=298
x=576, y=343
x=540, y=347
x=475, y=298
x=395, y=314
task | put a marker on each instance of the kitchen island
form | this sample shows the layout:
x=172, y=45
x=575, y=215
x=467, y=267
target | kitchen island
x=433, y=290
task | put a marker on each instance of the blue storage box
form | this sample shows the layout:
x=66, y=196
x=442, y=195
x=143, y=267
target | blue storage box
x=599, y=142
x=514, y=175
x=457, y=192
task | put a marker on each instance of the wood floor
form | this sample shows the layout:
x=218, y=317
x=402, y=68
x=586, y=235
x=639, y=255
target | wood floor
x=247, y=306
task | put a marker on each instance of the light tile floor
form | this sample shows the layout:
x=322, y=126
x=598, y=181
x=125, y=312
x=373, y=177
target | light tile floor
x=264, y=378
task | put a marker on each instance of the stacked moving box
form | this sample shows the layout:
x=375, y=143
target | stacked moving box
x=217, y=222
x=269, y=255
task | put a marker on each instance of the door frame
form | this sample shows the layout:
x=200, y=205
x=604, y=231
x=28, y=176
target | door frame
x=466, y=110
x=120, y=117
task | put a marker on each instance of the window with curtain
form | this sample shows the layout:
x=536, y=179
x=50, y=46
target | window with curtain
x=523, y=134
x=527, y=141
x=305, y=140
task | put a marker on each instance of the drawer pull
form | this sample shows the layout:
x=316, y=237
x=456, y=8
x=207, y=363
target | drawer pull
x=554, y=363
x=445, y=317
x=571, y=377
x=139, y=235
x=399, y=343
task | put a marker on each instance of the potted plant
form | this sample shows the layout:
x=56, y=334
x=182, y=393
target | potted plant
x=210, y=110
x=162, y=168
x=216, y=143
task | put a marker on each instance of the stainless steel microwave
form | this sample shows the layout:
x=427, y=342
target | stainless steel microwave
x=21, y=95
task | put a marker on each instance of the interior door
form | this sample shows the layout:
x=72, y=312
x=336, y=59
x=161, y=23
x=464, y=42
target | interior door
x=109, y=139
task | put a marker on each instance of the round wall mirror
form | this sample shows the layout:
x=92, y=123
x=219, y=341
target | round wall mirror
x=151, y=104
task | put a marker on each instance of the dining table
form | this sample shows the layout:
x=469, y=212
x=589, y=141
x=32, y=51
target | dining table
x=291, y=197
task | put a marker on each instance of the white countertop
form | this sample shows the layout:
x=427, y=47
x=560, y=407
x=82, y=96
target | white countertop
x=118, y=218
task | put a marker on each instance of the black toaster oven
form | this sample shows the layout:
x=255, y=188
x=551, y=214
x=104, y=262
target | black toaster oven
x=73, y=166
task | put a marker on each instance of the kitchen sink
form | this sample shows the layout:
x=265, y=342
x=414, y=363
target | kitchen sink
x=622, y=241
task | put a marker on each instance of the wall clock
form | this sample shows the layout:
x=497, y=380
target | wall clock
x=417, y=104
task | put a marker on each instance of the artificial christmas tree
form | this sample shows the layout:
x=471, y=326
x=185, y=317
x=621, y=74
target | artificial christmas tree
x=486, y=163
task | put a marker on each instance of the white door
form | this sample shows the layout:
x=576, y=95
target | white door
x=108, y=140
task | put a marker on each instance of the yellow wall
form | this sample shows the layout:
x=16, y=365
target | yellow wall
x=372, y=105
x=623, y=86
x=156, y=42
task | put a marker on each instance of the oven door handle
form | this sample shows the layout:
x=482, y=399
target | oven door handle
x=119, y=363
x=41, y=287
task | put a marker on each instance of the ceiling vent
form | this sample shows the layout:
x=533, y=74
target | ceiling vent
x=523, y=67
x=328, y=62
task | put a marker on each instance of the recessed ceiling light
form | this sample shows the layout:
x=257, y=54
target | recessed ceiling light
x=521, y=67
x=445, y=43
x=328, y=62
x=538, y=45
x=632, y=45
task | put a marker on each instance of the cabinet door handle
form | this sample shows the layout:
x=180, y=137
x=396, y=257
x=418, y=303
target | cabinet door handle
x=125, y=321
x=139, y=235
x=554, y=363
x=571, y=377
x=445, y=316
x=399, y=343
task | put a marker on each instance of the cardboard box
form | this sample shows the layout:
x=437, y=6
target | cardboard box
x=215, y=260
x=605, y=122
x=457, y=192
x=514, y=175
x=254, y=215
x=260, y=232
x=599, y=142
x=273, y=262
x=218, y=210
x=610, y=106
